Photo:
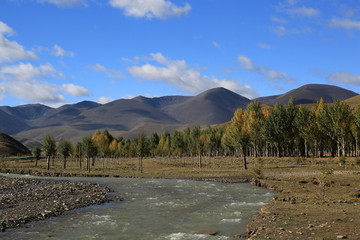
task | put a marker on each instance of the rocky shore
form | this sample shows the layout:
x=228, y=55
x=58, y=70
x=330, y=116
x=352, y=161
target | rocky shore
x=25, y=200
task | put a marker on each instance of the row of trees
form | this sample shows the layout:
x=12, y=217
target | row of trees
x=280, y=130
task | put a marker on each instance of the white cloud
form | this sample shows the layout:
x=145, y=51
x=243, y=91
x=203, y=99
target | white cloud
x=187, y=79
x=64, y=3
x=33, y=90
x=150, y=8
x=281, y=30
x=271, y=74
x=264, y=45
x=111, y=73
x=103, y=100
x=5, y=29
x=22, y=81
x=345, y=23
x=216, y=44
x=60, y=52
x=75, y=90
x=26, y=71
x=279, y=20
x=344, y=77
x=303, y=11
x=11, y=51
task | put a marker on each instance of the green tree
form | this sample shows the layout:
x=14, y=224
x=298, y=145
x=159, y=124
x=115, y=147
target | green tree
x=49, y=148
x=89, y=151
x=36, y=152
x=304, y=124
x=64, y=149
x=141, y=149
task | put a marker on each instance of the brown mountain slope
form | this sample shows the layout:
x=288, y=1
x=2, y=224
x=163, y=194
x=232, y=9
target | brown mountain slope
x=311, y=93
x=211, y=107
x=353, y=101
x=11, y=147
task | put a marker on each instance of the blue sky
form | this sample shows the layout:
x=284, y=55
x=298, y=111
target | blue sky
x=65, y=51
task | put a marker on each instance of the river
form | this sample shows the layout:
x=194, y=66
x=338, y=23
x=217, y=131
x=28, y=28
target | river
x=155, y=209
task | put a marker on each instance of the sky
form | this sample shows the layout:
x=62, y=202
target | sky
x=57, y=52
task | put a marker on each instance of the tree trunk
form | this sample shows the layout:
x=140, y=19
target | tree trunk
x=36, y=162
x=48, y=163
x=244, y=159
x=64, y=163
x=199, y=161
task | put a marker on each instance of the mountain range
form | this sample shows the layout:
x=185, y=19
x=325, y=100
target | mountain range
x=127, y=117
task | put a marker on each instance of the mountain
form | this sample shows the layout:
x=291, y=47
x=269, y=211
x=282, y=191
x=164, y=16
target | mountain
x=123, y=117
x=211, y=107
x=128, y=117
x=311, y=93
x=353, y=101
x=11, y=147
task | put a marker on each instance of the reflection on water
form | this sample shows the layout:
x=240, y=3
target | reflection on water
x=155, y=209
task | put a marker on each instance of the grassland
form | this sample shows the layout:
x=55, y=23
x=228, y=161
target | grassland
x=314, y=198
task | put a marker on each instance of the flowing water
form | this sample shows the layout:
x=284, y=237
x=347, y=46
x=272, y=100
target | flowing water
x=158, y=209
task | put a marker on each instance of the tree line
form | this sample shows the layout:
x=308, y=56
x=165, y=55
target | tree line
x=259, y=130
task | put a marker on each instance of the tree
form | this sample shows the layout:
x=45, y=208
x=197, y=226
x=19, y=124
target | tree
x=64, y=149
x=49, y=148
x=275, y=127
x=141, y=149
x=304, y=124
x=255, y=121
x=89, y=150
x=36, y=152
x=238, y=133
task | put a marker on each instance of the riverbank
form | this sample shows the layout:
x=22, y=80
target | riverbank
x=24, y=200
x=314, y=198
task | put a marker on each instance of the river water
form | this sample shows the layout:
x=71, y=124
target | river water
x=155, y=209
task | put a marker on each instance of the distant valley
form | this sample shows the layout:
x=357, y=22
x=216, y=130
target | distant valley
x=127, y=117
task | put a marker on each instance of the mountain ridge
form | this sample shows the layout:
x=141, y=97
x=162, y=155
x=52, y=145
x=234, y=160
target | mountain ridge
x=127, y=117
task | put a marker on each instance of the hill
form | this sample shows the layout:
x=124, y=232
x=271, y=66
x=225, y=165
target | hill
x=123, y=117
x=11, y=147
x=353, y=101
x=311, y=93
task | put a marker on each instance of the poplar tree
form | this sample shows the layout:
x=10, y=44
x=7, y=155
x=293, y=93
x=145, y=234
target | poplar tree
x=49, y=148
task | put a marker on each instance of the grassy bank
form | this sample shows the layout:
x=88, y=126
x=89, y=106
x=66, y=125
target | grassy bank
x=315, y=198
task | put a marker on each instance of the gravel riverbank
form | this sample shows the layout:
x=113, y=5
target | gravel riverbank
x=24, y=200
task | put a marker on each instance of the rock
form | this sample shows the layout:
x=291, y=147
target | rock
x=341, y=237
x=211, y=233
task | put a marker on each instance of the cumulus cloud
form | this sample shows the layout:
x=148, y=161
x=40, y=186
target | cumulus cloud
x=103, y=100
x=281, y=30
x=271, y=74
x=22, y=81
x=150, y=8
x=64, y=3
x=111, y=73
x=33, y=90
x=344, y=77
x=75, y=90
x=26, y=71
x=11, y=51
x=303, y=11
x=187, y=79
x=344, y=23
x=60, y=52
x=264, y=45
